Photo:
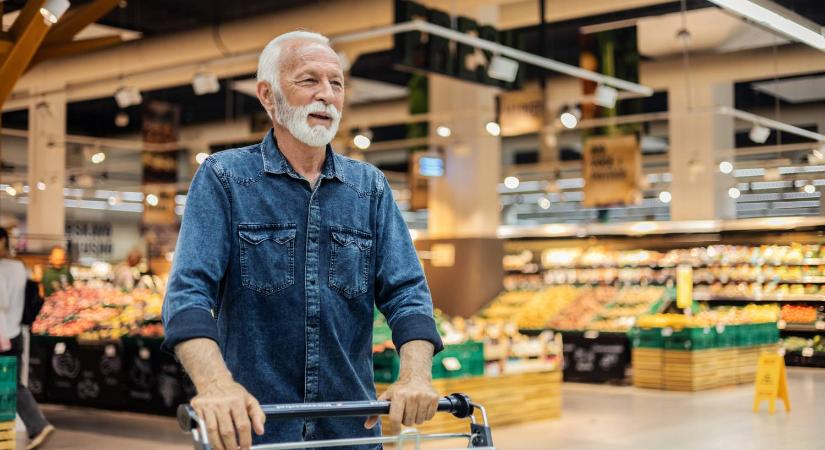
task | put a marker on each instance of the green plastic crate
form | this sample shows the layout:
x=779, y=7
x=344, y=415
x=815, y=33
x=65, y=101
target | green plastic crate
x=729, y=337
x=386, y=366
x=468, y=357
x=691, y=339
x=647, y=338
x=8, y=388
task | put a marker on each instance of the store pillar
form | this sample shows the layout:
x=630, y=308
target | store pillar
x=464, y=263
x=700, y=139
x=45, y=213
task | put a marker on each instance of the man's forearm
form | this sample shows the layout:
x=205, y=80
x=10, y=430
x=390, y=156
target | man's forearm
x=203, y=362
x=416, y=361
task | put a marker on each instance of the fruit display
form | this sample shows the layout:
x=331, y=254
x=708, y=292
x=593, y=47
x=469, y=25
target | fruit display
x=579, y=313
x=800, y=314
x=750, y=314
x=94, y=313
x=530, y=309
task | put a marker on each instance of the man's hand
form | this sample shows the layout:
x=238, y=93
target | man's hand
x=412, y=398
x=224, y=405
x=226, y=408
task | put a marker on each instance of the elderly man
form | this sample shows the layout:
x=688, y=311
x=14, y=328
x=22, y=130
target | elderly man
x=284, y=250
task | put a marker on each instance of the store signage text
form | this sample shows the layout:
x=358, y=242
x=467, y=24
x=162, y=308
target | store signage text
x=90, y=239
x=436, y=54
x=612, y=171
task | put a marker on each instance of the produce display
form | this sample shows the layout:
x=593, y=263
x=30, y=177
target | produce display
x=578, y=314
x=94, y=313
x=750, y=314
x=800, y=314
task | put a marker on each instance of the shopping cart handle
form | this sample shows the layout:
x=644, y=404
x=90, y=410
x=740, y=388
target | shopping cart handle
x=456, y=404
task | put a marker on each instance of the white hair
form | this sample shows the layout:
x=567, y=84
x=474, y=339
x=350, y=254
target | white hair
x=268, y=62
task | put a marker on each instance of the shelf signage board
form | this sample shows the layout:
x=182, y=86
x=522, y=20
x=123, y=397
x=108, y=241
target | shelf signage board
x=771, y=382
x=684, y=287
x=612, y=171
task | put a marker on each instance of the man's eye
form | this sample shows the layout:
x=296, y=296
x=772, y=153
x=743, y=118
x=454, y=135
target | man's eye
x=338, y=84
x=308, y=80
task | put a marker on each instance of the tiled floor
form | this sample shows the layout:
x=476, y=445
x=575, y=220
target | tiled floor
x=594, y=417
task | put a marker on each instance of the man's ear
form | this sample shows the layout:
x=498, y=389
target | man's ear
x=264, y=92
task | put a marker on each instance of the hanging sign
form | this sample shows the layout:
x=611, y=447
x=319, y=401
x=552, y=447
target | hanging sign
x=684, y=286
x=612, y=171
x=771, y=382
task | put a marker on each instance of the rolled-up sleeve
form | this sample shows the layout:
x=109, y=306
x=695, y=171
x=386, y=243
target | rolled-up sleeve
x=401, y=291
x=200, y=261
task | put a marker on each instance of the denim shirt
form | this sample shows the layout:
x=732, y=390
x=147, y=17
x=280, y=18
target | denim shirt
x=284, y=277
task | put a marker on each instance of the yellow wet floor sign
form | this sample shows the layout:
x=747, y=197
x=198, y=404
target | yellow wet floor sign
x=771, y=382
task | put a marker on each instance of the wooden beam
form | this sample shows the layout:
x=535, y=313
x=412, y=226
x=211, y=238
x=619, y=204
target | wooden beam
x=29, y=12
x=6, y=42
x=30, y=35
x=77, y=19
x=74, y=48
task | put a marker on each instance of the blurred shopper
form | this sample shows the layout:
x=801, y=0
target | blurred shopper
x=58, y=274
x=12, y=301
x=291, y=245
x=128, y=273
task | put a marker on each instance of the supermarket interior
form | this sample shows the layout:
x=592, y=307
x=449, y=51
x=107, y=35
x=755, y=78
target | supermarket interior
x=617, y=206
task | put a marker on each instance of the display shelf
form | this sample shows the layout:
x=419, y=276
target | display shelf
x=800, y=328
x=706, y=297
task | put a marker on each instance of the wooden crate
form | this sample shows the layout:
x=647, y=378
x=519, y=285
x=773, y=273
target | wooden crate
x=508, y=399
x=684, y=370
x=7, y=435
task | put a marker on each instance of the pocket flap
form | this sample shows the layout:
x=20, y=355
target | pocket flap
x=255, y=237
x=346, y=238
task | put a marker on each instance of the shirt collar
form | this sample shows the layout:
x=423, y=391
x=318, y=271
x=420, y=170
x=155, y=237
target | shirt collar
x=276, y=163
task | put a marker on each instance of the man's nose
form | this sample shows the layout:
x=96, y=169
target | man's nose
x=325, y=93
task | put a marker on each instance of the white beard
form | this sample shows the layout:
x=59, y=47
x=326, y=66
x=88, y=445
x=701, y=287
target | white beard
x=294, y=118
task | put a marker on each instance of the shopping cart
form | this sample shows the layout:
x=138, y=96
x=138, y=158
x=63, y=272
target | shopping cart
x=459, y=405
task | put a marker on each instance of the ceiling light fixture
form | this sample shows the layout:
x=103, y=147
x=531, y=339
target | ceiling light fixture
x=503, y=69
x=122, y=119
x=98, y=158
x=777, y=18
x=127, y=96
x=511, y=182
x=41, y=186
x=570, y=117
x=53, y=10
x=759, y=134
x=734, y=193
x=605, y=96
x=363, y=139
x=11, y=191
x=544, y=203
x=200, y=158
x=493, y=128
x=443, y=131
x=152, y=200
x=665, y=197
x=205, y=83
x=809, y=188
x=725, y=167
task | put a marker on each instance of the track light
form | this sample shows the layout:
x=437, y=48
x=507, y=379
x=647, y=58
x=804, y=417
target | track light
x=443, y=131
x=152, y=200
x=665, y=197
x=53, y=10
x=511, y=182
x=734, y=193
x=784, y=21
x=544, y=203
x=41, y=186
x=501, y=68
x=809, y=188
x=205, y=83
x=363, y=139
x=98, y=158
x=759, y=134
x=605, y=96
x=127, y=96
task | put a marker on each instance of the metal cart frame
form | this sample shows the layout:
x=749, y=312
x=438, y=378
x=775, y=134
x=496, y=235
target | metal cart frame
x=459, y=405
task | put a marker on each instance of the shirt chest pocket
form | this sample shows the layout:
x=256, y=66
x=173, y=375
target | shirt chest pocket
x=267, y=257
x=349, y=263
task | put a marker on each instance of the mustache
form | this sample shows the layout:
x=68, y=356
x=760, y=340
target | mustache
x=320, y=107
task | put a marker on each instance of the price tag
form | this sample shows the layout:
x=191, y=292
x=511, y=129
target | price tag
x=591, y=334
x=451, y=364
x=144, y=353
x=808, y=352
x=820, y=325
x=60, y=348
x=667, y=332
x=110, y=351
x=781, y=324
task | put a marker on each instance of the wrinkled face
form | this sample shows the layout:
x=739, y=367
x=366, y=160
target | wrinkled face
x=311, y=95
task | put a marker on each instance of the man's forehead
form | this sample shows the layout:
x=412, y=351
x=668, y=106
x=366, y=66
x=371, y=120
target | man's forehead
x=301, y=53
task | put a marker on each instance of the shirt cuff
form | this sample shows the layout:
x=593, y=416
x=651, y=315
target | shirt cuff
x=416, y=327
x=189, y=324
